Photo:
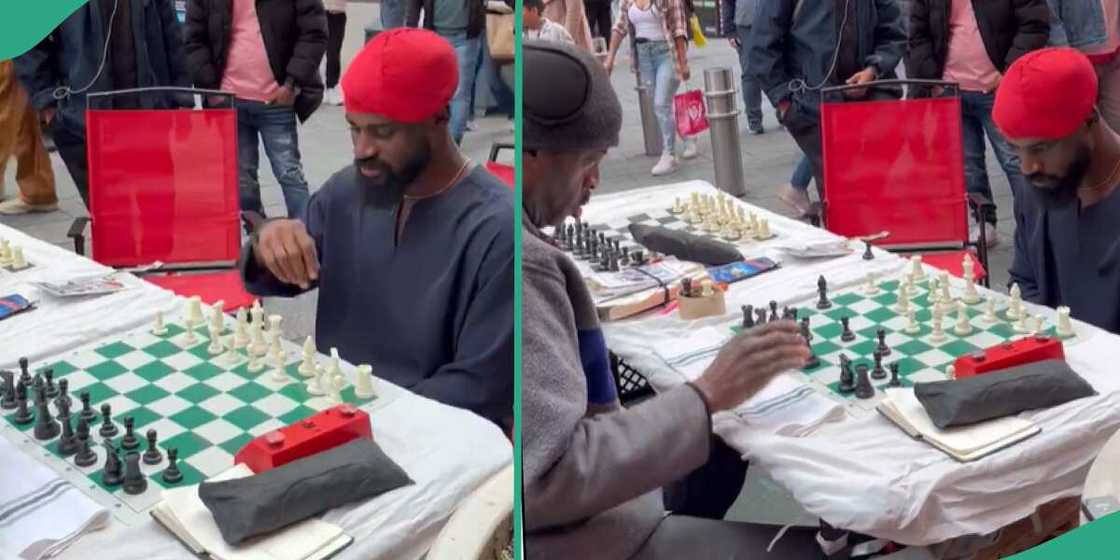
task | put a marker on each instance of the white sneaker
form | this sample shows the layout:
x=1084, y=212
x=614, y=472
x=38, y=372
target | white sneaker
x=690, y=150
x=797, y=199
x=991, y=232
x=666, y=165
x=332, y=97
x=14, y=206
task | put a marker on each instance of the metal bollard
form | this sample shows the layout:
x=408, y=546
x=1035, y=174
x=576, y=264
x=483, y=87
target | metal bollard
x=651, y=130
x=723, y=121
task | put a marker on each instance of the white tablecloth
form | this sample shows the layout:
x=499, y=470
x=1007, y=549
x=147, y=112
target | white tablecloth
x=448, y=452
x=862, y=472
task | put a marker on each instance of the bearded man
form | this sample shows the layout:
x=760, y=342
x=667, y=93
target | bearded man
x=1067, y=238
x=412, y=246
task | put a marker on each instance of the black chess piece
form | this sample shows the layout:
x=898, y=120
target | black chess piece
x=895, y=382
x=748, y=317
x=23, y=414
x=878, y=372
x=867, y=254
x=761, y=316
x=847, y=335
x=25, y=375
x=51, y=389
x=172, y=474
x=805, y=330
x=45, y=426
x=112, y=473
x=624, y=258
x=153, y=455
x=108, y=428
x=129, y=441
x=847, y=378
x=813, y=360
x=639, y=257
x=774, y=311
x=614, y=261
x=822, y=293
x=63, y=394
x=134, y=481
x=36, y=384
x=8, y=397
x=686, y=287
x=882, y=348
x=68, y=442
x=87, y=412
x=864, y=390
x=86, y=455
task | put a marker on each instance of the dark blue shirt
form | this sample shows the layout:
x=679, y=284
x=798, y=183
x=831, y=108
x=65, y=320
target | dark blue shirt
x=433, y=312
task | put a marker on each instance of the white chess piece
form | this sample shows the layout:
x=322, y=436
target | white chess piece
x=5, y=251
x=970, y=296
x=215, y=347
x=258, y=346
x=336, y=366
x=1036, y=324
x=18, y=262
x=1065, y=326
x=255, y=362
x=677, y=207
x=274, y=324
x=363, y=386
x=990, y=312
x=308, y=367
x=217, y=317
x=1021, y=322
x=916, y=270
x=194, y=310
x=951, y=372
x=912, y=326
x=158, y=328
x=870, y=288
x=944, y=284
x=315, y=383
x=903, y=300
x=335, y=389
x=1014, y=309
x=278, y=361
x=964, y=327
x=764, y=230
x=968, y=267
x=934, y=293
x=938, y=334
x=241, y=331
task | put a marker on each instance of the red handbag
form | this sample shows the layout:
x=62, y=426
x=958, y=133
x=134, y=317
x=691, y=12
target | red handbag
x=692, y=115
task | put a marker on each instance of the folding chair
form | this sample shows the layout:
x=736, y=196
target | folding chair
x=163, y=188
x=896, y=168
x=503, y=171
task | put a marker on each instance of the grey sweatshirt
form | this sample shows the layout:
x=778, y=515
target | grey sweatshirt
x=593, y=470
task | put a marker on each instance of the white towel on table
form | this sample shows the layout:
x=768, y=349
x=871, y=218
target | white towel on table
x=786, y=405
x=40, y=513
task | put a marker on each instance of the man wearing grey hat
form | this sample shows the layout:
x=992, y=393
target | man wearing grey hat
x=593, y=471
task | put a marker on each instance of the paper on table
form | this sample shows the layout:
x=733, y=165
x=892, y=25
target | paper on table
x=964, y=440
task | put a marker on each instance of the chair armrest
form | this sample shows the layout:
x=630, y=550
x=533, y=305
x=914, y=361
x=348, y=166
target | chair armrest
x=77, y=232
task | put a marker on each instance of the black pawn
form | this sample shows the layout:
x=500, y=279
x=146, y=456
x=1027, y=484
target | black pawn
x=129, y=441
x=152, y=456
x=748, y=317
x=134, y=481
x=761, y=315
x=774, y=311
x=8, y=397
x=639, y=257
x=864, y=390
x=878, y=372
x=85, y=456
x=822, y=292
x=813, y=360
x=867, y=254
x=847, y=378
x=68, y=443
x=23, y=414
x=87, y=412
x=25, y=375
x=805, y=330
x=112, y=474
x=883, y=348
x=63, y=394
x=847, y=335
x=172, y=474
x=46, y=427
x=895, y=382
x=108, y=428
x=51, y=389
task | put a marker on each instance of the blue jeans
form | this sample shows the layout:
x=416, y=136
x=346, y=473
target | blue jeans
x=468, y=51
x=752, y=91
x=276, y=126
x=392, y=14
x=976, y=122
x=802, y=174
x=657, y=71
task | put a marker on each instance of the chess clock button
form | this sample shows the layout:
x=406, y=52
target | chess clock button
x=308, y=423
x=347, y=410
x=275, y=438
x=979, y=356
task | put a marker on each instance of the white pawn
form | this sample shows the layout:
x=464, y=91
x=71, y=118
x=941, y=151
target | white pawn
x=5, y=251
x=903, y=300
x=259, y=346
x=916, y=270
x=912, y=326
x=764, y=230
x=308, y=367
x=938, y=334
x=1065, y=327
x=241, y=333
x=315, y=383
x=943, y=283
x=677, y=207
x=990, y=312
x=336, y=366
x=363, y=386
x=217, y=319
x=18, y=262
x=335, y=389
x=159, y=329
x=194, y=310
x=274, y=325
x=278, y=358
x=255, y=364
x=1013, y=307
x=1037, y=322
x=970, y=296
x=215, y=347
x=964, y=327
x=870, y=288
x=1021, y=322
x=934, y=293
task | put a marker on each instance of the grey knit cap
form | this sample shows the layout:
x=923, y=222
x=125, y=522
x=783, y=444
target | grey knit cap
x=567, y=99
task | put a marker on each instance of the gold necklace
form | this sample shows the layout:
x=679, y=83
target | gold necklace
x=458, y=175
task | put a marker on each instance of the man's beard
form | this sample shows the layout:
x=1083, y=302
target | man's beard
x=387, y=190
x=1061, y=192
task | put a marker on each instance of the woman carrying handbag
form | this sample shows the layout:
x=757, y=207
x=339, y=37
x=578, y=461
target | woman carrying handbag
x=659, y=29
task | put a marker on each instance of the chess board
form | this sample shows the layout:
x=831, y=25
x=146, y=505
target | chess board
x=920, y=358
x=206, y=406
x=620, y=228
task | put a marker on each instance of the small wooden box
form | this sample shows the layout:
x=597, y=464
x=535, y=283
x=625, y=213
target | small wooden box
x=703, y=306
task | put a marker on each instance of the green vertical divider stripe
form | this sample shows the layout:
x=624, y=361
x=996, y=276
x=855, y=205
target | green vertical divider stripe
x=518, y=537
x=23, y=23
x=1087, y=542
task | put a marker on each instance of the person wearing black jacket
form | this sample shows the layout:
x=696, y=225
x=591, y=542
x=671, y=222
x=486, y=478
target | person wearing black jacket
x=267, y=52
x=972, y=42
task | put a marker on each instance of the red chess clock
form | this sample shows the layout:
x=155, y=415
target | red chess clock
x=325, y=430
x=1009, y=354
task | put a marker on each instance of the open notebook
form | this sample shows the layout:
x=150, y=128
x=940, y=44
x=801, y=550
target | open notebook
x=963, y=443
x=183, y=513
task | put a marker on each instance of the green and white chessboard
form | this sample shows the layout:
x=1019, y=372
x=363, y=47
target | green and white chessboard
x=208, y=407
x=920, y=359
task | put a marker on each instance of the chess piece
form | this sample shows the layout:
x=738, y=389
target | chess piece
x=847, y=378
x=903, y=305
x=944, y=284
x=194, y=310
x=134, y=481
x=912, y=326
x=964, y=327
x=1065, y=326
x=864, y=390
x=938, y=334
x=934, y=292
x=822, y=294
x=108, y=429
x=87, y=413
x=1014, y=309
x=172, y=474
x=254, y=361
x=970, y=295
x=217, y=317
x=686, y=287
x=760, y=316
x=847, y=335
x=878, y=372
x=706, y=288
x=867, y=254
x=158, y=328
x=50, y=390
x=363, y=385
x=68, y=441
x=279, y=365
x=314, y=384
x=805, y=330
x=1021, y=324
x=25, y=375
x=63, y=393
x=112, y=474
x=882, y=347
x=241, y=330
x=274, y=325
x=129, y=441
x=8, y=397
x=870, y=288
x=748, y=317
x=762, y=233
x=968, y=267
x=990, y=312
x=258, y=346
x=215, y=347
x=951, y=372
x=895, y=382
x=85, y=456
x=18, y=262
x=774, y=311
x=730, y=233
x=677, y=208
x=917, y=272
x=1037, y=325
x=153, y=455
x=813, y=360
x=307, y=367
x=45, y=426
x=334, y=391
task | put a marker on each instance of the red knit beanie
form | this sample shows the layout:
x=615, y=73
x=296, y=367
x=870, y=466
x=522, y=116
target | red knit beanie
x=403, y=74
x=1046, y=94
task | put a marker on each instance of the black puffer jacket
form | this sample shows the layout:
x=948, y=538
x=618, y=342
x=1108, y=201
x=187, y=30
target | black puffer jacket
x=1009, y=29
x=295, y=37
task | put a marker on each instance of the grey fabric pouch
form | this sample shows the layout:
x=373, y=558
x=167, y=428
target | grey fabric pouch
x=250, y=506
x=685, y=246
x=1001, y=393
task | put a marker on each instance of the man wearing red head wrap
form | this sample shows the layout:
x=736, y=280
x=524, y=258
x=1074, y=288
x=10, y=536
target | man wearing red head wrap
x=1067, y=238
x=412, y=246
